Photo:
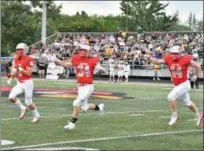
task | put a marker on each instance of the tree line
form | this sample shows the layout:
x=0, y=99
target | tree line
x=21, y=22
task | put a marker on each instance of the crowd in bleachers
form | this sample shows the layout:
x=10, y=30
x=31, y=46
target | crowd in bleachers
x=125, y=47
x=119, y=46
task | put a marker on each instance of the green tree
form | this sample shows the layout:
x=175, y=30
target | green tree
x=199, y=25
x=18, y=25
x=194, y=22
x=190, y=20
x=146, y=14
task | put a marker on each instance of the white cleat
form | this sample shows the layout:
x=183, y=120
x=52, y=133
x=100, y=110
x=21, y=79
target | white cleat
x=199, y=120
x=101, y=107
x=36, y=120
x=173, y=120
x=23, y=113
x=69, y=126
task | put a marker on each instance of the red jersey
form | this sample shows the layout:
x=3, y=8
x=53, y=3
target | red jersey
x=84, y=68
x=178, y=68
x=25, y=62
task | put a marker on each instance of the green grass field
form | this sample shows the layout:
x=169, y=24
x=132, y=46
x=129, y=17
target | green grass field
x=137, y=123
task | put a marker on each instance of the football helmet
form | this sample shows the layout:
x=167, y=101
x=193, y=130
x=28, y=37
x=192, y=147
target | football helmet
x=85, y=51
x=21, y=49
x=174, y=49
x=175, y=52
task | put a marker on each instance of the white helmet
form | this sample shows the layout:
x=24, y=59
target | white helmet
x=174, y=49
x=22, y=46
x=87, y=48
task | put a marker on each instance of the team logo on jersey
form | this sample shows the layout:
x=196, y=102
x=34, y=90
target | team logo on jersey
x=72, y=94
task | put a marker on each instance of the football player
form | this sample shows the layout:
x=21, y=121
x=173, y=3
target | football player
x=112, y=71
x=126, y=71
x=178, y=65
x=22, y=70
x=120, y=71
x=84, y=64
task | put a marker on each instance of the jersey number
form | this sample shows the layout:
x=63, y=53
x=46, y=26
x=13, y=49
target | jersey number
x=84, y=70
x=176, y=71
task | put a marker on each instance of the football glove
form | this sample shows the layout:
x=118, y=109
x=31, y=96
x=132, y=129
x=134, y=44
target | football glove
x=13, y=71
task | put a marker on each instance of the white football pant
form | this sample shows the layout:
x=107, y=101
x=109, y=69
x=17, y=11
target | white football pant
x=27, y=87
x=180, y=92
x=84, y=92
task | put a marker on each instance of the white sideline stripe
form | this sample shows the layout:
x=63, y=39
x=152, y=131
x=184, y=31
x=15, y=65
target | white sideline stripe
x=63, y=148
x=8, y=119
x=136, y=114
x=101, y=139
x=164, y=116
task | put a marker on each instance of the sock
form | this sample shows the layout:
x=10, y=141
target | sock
x=20, y=105
x=197, y=113
x=74, y=120
x=35, y=112
x=96, y=108
x=174, y=114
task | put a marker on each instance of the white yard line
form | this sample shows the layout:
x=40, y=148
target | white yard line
x=103, y=139
x=136, y=114
x=164, y=116
x=85, y=114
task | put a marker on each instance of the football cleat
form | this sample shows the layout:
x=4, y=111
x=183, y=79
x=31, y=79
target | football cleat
x=101, y=107
x=36, y=120
x=173, y=120
x=200, y=119
x=23, y=113
x=69, y=126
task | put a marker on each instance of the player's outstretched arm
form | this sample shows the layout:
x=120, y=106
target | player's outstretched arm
x=157, y=61
x=64, y=63
x=154, y=60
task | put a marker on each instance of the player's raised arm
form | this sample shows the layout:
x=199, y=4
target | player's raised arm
x=155, y=60
x=64, y=63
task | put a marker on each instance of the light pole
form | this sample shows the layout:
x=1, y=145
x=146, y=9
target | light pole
x=126, y=23
x=44, y=23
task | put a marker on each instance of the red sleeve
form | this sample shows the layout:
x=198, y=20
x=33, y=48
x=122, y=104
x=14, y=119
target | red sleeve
x=96, y=60
x=30, y=61
x=187, y=59
x=73, y=59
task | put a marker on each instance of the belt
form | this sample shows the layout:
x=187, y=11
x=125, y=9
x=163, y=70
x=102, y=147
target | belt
x=83, y=84
x=21, y=81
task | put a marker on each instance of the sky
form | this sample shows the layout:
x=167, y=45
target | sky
x=113, y=7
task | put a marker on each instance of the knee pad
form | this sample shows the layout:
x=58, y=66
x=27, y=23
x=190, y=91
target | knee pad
x=28, y=101
x=77, y=102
